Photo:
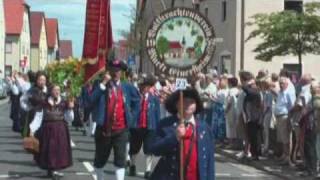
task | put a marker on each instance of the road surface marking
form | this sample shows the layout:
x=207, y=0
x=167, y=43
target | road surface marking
x=223, y=174
x=83, y=174
x=5, y=176
x=72, y=144
x=253, y=175
x=90, y=168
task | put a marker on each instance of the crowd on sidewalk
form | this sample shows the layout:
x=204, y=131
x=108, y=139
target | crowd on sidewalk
x=269, y=115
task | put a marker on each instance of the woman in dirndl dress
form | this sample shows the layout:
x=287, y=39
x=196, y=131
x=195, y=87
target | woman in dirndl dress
x=218, y=111
x=54, y=138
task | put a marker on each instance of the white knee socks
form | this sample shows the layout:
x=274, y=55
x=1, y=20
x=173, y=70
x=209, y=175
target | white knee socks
x=120, y=173
x=133, y=159
x=99, y=173
x=149, y=160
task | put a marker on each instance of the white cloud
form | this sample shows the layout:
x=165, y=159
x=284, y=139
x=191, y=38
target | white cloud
x=123, y=2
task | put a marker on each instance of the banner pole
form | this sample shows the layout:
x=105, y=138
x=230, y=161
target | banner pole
x=181, y=141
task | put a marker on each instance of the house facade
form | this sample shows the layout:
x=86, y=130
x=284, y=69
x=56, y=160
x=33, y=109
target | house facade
x=2, y=39
x=17, y=41
x=39, y=45
x=229, y=18
x=53, y=39
x=65, y=50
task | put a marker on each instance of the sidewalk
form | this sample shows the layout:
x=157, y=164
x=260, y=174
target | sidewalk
x=267, y=165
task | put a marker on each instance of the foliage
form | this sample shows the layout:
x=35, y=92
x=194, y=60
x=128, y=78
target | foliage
x=171, y=27
x=179, y=23
x=162, y=46
x=194, y=32
x=287, y=33
x=69, y=69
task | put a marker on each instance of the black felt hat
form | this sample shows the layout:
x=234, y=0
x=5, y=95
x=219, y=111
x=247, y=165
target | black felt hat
x=117, y=65
x=148, y=81
x=173, y=99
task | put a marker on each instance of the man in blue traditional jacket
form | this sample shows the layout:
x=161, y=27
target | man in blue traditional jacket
x=115, y=107
x=148, y=119
x=198, y=151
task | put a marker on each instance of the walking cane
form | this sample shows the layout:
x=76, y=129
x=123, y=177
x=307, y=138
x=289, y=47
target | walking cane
x=181, y=141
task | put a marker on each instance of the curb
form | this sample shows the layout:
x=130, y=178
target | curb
x=257, y=165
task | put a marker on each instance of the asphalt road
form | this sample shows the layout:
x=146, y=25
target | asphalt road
x=15, y=163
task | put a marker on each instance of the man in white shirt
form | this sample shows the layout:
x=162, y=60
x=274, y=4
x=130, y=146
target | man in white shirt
x=284, y=104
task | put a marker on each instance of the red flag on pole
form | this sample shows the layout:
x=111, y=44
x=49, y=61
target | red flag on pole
x=97, y=37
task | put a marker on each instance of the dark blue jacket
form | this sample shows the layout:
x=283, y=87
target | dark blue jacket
x=153, y=113
x=84, y=98
x=99, y=100
x=166, y=145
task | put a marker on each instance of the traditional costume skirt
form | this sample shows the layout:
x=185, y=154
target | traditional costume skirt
x=55, y=149
x=218, y=121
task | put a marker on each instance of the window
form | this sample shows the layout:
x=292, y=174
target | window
x=196, y=4
x=8, y=47
x=206, y=11
x=172, y=3
x=293, y=6
x=226, y=64
x=224, y=11
x=8, y=70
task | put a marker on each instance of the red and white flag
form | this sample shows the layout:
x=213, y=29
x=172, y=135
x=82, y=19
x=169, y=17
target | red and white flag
x=97, y=37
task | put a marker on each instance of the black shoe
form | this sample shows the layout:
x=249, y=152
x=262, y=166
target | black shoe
x=132, y=171
x=128, y=163
x=49, y=174
x=147, y=174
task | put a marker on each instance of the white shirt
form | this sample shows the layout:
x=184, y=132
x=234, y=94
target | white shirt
x=304, y=96
x=285, y=102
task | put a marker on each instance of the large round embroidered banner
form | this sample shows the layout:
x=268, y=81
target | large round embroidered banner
x=180, y=42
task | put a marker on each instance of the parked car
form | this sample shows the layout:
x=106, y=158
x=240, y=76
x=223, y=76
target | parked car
x=3, y=89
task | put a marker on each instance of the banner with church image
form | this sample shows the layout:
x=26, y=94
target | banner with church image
x=180, y=42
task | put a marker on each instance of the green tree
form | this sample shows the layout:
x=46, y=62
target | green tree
x=162, y=47
x=171, y=26
x=179, y=22
x=287, y=33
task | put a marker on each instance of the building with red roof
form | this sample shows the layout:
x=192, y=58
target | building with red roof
x=2, y=39
x=53, y=39
x=65, y=49
x=39, y=45
x=175, y=50
x=17, y=41
x=121, y=50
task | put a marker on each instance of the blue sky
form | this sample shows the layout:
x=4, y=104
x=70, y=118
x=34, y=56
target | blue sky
x=71, y=16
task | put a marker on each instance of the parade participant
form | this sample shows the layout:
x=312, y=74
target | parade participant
x=198, y=152
x=89, y=125
x=32, y=101
x=53, y=134
x=148, y=119
x=114, y=110
x=15, y=95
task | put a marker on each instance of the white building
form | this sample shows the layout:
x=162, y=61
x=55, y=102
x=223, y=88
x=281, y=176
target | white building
x=17, y=45
x=228, y=18
x=2, y=39
x=39, y=45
